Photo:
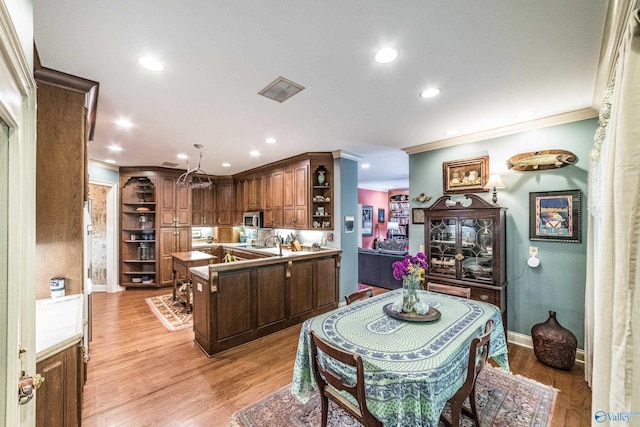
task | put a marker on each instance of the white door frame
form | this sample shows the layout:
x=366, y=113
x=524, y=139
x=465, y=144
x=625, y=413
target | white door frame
x=112, y=238
x=17, y=251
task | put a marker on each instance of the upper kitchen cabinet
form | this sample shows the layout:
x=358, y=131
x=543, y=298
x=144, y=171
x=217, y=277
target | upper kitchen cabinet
x=225, y=201
x=174, y=202
x=65, y=122
x=203, y=207
x=296, y=195
x=252, y=192
x=274, y=199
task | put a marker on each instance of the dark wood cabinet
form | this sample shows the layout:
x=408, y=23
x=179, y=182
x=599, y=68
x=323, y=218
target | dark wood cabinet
x=465, y=243
x=296, y=195
x=172, y=239
x=224, y=201
x=274, y=199
x=174, y=202
x=59, y=398
x=203, y=207
x=65, y=117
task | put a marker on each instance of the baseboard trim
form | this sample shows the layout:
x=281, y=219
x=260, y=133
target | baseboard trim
x=525, y=341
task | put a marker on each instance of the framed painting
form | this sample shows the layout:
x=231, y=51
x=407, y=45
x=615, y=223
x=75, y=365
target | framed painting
x=417, y=215
x=466, y=175
x=367, y=221
x=556, y=216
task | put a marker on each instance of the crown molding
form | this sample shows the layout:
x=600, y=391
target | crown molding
x=618, y=14
x=573, y=116
x=346, y=155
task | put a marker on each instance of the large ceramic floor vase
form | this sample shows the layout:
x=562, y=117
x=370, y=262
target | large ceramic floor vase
x=553, y=344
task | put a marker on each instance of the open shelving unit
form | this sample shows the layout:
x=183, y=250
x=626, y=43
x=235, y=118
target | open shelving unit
x=321, y=199
x=138, y=266
x=399, y=211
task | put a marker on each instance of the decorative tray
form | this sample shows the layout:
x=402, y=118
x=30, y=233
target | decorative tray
x=431, y=316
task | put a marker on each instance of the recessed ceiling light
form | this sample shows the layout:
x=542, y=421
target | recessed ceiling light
x=365, y=166
x=150, y=63
x=182, y=156
x=386, y=55
x=526, y=114
x=451, y=132
x=254, y=153
x=114, y=147
x=226, y=165
x=430, y=93
x=113, y=162
x=124, y=123
x=270, y=140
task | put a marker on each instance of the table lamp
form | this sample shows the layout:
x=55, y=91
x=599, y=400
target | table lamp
x=494, y=183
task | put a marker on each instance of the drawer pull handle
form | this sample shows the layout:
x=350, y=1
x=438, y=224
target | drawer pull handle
x=484, y=297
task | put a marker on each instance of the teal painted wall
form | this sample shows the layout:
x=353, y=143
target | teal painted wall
x=559, y=283
x=104, y=174
x=348, y=206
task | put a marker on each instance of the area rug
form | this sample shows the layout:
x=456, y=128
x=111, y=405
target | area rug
x=173, y=315
x=503, y=399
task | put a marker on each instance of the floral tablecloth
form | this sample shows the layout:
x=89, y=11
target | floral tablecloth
x=411, y=368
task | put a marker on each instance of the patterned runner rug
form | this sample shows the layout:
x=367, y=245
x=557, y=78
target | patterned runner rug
x=172, y=314
x=503, y=400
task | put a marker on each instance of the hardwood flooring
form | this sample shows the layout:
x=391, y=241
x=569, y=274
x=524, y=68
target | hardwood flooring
x=141, y=375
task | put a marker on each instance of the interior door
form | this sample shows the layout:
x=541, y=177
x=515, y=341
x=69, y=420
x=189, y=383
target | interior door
x=4, y=244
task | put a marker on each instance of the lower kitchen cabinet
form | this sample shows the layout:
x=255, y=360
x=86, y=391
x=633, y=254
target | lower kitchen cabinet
x=59, y=398
x=174, y=239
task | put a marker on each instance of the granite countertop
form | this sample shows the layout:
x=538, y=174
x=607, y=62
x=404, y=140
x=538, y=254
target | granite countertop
x=287, y=255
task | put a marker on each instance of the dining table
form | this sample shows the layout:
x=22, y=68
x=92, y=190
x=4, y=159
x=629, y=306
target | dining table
x=412, y=367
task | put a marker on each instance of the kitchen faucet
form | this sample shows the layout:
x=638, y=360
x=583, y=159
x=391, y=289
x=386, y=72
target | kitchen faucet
x=278, y=242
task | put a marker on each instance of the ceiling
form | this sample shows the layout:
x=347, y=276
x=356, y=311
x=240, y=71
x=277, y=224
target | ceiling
x=491, y=59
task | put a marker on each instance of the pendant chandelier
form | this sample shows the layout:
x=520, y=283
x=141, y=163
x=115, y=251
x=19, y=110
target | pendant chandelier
x=196, y=177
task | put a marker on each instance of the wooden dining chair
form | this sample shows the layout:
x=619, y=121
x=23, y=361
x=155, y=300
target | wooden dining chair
x=449, y=290
x=478, y=354
x=358, y=295
x=330, y=383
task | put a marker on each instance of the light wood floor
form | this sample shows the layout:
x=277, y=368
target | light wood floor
x=141, y=375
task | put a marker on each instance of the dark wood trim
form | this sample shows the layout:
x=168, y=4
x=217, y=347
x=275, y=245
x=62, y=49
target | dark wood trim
x=73, y=83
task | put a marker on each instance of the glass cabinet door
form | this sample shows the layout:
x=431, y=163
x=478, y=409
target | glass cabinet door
x=461, y=248
x=442, y=247
x=476, y=238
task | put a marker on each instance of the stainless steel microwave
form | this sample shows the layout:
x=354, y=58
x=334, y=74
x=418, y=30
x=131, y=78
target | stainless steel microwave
x=253, y=219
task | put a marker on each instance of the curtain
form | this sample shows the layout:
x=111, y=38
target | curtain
x=612, y=300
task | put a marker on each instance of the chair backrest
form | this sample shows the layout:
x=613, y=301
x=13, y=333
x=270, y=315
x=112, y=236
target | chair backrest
x=326, y=378
x=358, y=295
x=449, y=290
x=478, y=354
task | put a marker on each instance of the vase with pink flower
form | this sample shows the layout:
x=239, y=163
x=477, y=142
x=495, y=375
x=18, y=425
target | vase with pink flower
x=411, y=271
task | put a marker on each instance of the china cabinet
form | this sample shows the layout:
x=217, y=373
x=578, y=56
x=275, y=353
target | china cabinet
x=465, y=246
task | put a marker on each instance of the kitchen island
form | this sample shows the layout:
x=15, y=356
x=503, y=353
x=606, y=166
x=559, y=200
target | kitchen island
x=238, y=302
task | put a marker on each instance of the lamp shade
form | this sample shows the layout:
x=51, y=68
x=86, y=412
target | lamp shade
x=494, y=182
x=392, y=225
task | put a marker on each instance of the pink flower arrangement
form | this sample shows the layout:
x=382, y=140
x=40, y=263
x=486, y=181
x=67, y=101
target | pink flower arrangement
x=414, y=266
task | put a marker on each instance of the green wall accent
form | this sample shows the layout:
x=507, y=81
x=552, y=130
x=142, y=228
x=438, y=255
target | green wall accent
x=558, y=284
x=348, y=205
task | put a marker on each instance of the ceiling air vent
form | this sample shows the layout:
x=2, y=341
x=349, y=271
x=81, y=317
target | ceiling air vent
x=281, y=89
x=169, y=164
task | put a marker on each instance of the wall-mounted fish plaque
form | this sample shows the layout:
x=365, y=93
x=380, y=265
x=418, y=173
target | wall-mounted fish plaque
x=541, y=160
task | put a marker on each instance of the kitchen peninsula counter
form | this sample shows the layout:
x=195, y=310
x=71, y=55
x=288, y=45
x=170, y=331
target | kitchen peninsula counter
x=237, y=302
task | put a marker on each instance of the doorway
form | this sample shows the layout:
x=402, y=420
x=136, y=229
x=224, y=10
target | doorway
x=104, y=250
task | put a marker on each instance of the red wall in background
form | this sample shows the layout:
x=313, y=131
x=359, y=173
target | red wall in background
x=379, y=200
